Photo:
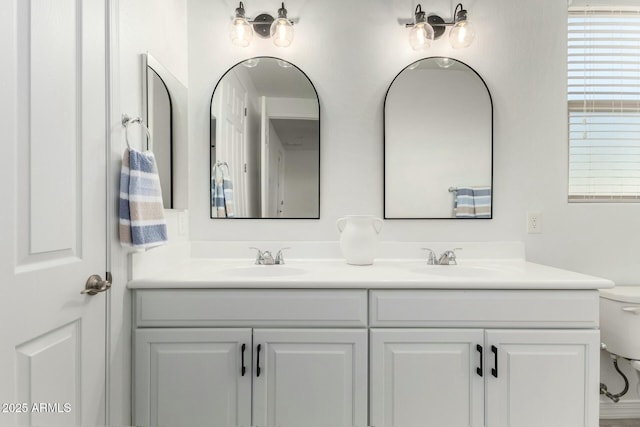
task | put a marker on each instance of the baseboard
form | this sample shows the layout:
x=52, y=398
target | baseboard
x=622, y=409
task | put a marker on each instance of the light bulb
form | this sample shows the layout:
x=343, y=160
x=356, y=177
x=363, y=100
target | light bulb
x=241, y=31
x=421, y=36
x=462, y=34
x=282, y=32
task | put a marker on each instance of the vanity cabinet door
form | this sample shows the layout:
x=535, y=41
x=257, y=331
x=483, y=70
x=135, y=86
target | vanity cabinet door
x=192, y=377
x=544, y=378
x=310, y=377
x=426, y=377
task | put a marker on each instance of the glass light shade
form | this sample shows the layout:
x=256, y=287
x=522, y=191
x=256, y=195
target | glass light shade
x=462, y=34
x=421, y=36
x=282, y=32
x=240, y=32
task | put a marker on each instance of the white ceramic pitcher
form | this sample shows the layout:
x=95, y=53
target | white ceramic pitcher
x=359, y=238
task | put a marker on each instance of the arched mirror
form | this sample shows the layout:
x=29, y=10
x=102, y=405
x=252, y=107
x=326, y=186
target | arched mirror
x=265, y=142
x=165, y=113
x=438, y=143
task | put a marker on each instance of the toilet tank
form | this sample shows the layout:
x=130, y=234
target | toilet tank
x=620, y=320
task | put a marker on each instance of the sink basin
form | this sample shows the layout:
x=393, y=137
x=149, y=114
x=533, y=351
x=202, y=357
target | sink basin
x=466, y=270
x=262, y=271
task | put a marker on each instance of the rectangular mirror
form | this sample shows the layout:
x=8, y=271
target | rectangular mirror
x=165, y=114
x=438, y=143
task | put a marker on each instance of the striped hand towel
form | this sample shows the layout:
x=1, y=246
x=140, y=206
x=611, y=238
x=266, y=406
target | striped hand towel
x=141, y=219
x=482, y=201
x=472, y=202
x=221, y=193
x=463, y=206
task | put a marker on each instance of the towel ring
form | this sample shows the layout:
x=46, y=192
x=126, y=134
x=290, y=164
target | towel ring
x=218, y=166
x=126, y=121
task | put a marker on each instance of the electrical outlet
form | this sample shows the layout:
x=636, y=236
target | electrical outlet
x=534, y=222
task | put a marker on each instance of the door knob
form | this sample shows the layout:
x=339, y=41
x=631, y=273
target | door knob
x=95, y=284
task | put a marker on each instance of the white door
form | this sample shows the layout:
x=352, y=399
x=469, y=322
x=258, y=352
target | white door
x=426, y=377
x=193, y=377
x=310, y=377
x=543, y=378
x=52, y=187
x=232, y=144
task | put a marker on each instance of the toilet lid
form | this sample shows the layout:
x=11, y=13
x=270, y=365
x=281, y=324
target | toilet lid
x=629, y=294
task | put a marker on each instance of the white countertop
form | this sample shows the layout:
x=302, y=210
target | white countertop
x=387, y=273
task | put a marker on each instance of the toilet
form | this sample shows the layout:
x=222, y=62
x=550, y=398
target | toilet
x=620, y=325
x=620, y=321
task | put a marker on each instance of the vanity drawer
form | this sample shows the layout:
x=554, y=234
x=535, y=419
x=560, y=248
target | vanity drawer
x=247, y=307
x=485, y=308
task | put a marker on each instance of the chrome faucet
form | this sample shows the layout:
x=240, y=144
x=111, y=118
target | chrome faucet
x=266, y=257
x=447, y=258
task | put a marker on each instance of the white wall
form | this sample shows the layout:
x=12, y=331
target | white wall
x=137, y=27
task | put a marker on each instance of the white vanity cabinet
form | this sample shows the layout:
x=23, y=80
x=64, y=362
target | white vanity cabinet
x=371, y=356
x=459, y=365
x=305, y=359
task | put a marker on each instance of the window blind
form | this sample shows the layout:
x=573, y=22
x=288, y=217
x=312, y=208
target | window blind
x=604, y=104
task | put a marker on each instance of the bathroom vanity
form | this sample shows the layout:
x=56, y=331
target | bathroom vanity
x=399, y=343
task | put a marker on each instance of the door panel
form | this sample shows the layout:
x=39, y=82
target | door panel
x=192, y=377
x=544, y=379
x=53, y=181
x=39, y=384
x=426, y=377
x=315, y=378
x=52, y=52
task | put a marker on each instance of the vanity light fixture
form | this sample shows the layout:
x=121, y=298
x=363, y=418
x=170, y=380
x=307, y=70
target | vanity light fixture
x=425, y=29
x=279, y=29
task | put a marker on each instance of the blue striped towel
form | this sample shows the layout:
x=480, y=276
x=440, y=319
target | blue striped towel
x=472, y=202
x=141, y=217
x=221, y=193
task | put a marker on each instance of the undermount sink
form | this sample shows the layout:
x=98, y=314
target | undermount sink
x=465, y=270
x=262, y=271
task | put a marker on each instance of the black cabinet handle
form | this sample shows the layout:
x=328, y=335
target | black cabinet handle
x=494, y=370
x=258, y=361
x=244, y=369
x=479, y=370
